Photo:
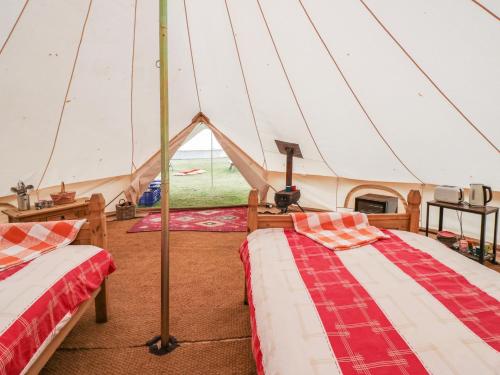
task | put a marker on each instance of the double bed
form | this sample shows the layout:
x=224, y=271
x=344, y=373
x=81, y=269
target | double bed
x=41, y=300
x=404, y=304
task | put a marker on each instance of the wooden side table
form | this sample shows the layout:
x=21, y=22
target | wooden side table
x=76, y=210
x=484, y=211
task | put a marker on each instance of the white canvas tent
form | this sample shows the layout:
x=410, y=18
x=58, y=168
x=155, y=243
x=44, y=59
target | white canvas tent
x=405, y=93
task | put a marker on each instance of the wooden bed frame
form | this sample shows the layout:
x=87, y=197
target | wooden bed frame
x=94, y=232
x=408, y=221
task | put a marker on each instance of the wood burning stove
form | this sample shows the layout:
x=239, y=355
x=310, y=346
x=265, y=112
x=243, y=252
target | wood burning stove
x=290, y=195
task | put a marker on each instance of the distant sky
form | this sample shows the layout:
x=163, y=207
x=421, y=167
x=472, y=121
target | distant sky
x=201, y=141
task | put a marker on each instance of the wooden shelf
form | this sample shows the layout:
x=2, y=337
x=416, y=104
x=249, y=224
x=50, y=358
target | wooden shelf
x=481, y=210
x=75, y=210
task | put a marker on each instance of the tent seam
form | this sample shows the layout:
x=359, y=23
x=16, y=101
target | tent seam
x=132, y=166
x=440, y=91
x=354, y=93
x=192, y=57
x=245, y=83
x=292, y=90
x=66, y=96
x=483, y=7
x=14, y=26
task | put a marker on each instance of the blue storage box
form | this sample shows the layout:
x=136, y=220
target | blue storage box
x=156, y=184
x=152, y=195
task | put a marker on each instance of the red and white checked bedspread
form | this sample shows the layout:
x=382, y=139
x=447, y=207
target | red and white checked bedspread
x=22, y=242
x=401, y=305
x=337, y=230
x=37, y=298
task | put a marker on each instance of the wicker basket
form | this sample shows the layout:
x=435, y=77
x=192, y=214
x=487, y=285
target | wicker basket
x=125, y=210
x=63, y=197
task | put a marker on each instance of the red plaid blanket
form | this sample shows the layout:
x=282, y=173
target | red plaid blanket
x=403, y=305
x=337, y=230
x=22, y=242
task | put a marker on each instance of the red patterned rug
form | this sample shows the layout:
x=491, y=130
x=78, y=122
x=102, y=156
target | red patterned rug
x=212, y=220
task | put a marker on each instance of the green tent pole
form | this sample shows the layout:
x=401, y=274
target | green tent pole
x=167, y=342
x=165, y=332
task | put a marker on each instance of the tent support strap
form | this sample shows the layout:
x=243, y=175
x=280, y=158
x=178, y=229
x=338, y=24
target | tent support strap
x=164, y=343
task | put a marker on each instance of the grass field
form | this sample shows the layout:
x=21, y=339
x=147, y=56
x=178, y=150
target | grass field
x=229, y=186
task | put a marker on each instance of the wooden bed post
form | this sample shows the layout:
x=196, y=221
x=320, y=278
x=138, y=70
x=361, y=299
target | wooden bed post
x=414, y=199
x=253, y=202
x=97, y=221
x=99, y=238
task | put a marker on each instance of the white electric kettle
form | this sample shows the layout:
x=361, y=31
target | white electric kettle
x=479, y=195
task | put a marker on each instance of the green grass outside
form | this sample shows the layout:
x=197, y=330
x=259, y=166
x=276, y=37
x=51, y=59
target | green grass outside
x=229, y=186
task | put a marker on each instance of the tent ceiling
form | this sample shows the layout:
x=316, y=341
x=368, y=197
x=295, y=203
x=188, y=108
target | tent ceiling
x=402, y=91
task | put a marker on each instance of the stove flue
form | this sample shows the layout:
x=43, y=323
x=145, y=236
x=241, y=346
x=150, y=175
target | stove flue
x=290, y=195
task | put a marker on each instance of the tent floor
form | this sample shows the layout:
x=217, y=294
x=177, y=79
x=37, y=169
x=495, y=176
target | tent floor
x=207, y=312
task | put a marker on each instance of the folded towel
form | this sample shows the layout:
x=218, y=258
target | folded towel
x=337, y=230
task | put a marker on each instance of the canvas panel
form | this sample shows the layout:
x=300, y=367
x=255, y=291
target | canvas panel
x=219, y=76
x=457, y=53
x=113, y=95
x=11, y=10
x=31, y=95
x=409, y=112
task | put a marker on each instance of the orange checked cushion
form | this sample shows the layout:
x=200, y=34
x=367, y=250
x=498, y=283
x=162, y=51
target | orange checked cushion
x=337, y=230
x=22, y=242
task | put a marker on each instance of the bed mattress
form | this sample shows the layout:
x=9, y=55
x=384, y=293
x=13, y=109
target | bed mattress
x=406, y=304
x=37, y=298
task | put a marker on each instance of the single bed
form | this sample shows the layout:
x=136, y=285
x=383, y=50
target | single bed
x=406, y=304
x=42, y=300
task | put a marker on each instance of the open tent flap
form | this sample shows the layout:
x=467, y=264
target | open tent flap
x=253, y=173
x=141, y=178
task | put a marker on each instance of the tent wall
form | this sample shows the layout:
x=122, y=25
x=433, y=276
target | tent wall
x=366, y=91
x=75, y=101
x=338, y=84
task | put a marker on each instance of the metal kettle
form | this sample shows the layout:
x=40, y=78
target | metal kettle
x=480, y=195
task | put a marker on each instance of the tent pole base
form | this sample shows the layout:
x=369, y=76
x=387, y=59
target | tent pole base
x=156, y=348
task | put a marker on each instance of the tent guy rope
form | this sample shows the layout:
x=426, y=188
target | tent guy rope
x=356, y=97
x=486, y=9
x=427, y=76
x=68, y=88
x=292, y=89
x=245, y=83
x=14, y=26
x=192, y=57
x=132, y=71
